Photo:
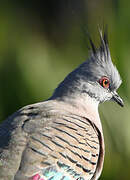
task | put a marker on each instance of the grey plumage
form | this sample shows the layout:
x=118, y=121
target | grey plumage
x=62, y=137
x=85, y=77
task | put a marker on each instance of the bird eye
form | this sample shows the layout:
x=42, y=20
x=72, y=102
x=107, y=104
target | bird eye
x=104, y=82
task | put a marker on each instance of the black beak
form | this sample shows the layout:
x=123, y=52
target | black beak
x=117, y=99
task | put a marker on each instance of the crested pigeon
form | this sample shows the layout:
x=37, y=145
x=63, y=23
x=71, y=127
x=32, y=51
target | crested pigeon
x=62, y=138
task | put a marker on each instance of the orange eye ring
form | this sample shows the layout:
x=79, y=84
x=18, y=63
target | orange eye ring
x=104, y=82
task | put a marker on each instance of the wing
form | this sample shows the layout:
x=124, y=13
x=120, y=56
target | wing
x=71, y=145
x=15, y=137
x=37, y=140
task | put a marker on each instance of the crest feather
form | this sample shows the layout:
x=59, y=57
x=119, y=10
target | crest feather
x=103, y=50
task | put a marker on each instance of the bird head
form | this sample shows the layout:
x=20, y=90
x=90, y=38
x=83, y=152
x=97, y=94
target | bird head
x=96, y=77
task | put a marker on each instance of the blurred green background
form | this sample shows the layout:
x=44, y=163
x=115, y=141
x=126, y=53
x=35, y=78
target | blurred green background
x=41, y=43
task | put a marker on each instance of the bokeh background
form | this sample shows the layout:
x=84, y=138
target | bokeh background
x=41, y=43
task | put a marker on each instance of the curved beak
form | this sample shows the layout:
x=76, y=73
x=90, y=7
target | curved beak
x=117, y=99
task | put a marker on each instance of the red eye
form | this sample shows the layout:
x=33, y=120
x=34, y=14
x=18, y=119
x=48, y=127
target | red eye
x=104, y=82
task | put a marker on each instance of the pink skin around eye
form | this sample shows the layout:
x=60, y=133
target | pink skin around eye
x=36, y=177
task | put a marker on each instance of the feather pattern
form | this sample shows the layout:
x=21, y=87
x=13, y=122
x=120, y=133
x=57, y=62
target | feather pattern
x=58, y=145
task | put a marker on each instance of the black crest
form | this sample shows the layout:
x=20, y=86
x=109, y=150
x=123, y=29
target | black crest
x=103, y=48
